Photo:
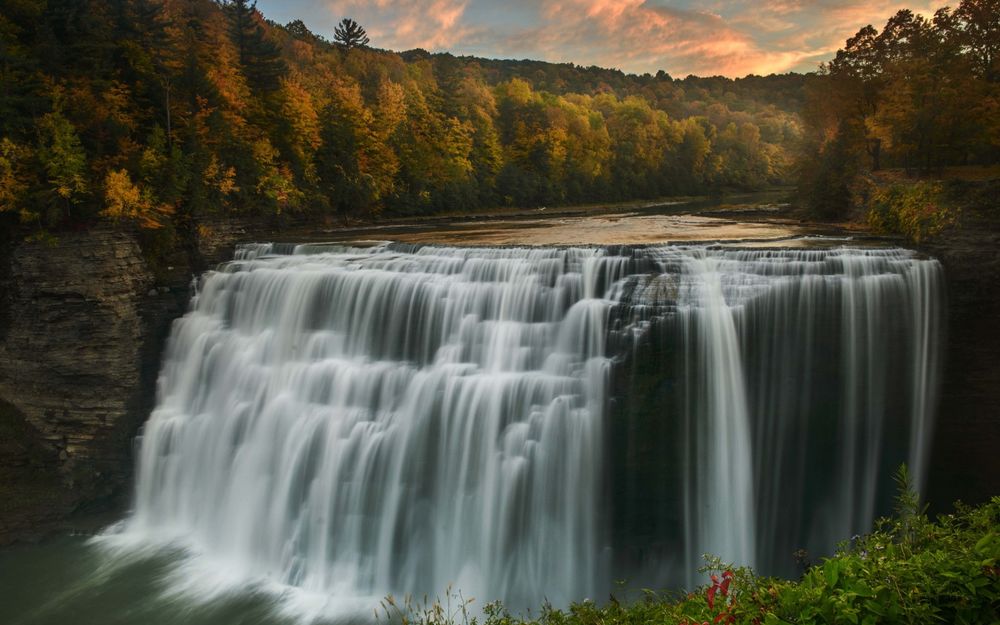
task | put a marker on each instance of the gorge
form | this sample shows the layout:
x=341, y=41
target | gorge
x=508, y=324
x=607, y=412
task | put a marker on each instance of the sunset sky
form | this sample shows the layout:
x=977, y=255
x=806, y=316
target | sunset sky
x=681, y=37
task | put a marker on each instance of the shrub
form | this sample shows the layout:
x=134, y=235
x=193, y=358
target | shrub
x=917, y=211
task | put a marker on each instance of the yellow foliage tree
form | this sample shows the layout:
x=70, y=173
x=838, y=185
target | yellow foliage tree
x=12, y=182
x=126, y=201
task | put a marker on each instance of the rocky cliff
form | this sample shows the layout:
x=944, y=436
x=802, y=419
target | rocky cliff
x=965, y=461
x=83, y=321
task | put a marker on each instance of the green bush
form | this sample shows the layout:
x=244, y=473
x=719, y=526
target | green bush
x=908, y=570
x=917, y=211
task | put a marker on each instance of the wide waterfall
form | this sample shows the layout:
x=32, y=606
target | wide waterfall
x=531, y=424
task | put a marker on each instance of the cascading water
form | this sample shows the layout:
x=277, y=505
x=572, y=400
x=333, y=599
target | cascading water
x=354, y=422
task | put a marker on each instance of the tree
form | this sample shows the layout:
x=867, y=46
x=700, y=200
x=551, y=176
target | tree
x=260, y=57
x=64, y=162
x=124, y=200
x=981, y=35
x=13, y=178
x=350, y=34
x=354, y=164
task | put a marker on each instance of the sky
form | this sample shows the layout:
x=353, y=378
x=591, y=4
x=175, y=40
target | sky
x=729, y=38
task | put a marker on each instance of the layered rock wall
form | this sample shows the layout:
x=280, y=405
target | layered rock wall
x=965, y=460
x=82, y=328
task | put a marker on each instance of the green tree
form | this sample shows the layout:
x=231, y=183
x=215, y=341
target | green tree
x=259, y=57
x=64, y=164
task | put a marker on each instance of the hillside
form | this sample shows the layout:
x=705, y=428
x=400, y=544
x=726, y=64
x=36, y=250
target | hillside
x=165, y=113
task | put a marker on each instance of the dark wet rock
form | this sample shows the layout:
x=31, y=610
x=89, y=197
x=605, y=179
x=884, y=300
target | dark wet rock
x=965, y=463
x=82, y=327
x=75, y=358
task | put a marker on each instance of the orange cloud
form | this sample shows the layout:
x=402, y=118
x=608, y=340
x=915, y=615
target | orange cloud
x=407, y=24
x=637, y=35
x=732, y=37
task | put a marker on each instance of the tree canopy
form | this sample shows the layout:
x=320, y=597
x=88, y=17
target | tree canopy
x=921, y=94
x=163, y=113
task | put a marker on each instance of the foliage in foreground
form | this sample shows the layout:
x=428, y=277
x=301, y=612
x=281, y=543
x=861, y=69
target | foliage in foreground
x=908, y=570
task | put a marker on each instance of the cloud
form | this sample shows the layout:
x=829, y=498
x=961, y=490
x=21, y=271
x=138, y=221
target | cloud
x=731, y=38
x=407, y=24
x=644, y=36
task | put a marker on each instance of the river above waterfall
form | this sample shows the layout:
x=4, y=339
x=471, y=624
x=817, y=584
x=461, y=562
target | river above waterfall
x=337, y=422
x=752, y=219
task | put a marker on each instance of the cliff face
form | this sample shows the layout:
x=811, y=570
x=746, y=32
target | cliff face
x=83, y=322
x=71, y=352
x=83, y=326
x=965, y=461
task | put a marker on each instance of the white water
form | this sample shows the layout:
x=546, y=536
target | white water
x=356, y=422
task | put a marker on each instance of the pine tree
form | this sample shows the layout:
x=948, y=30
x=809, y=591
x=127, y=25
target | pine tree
x=260, y=57
x=349, y=34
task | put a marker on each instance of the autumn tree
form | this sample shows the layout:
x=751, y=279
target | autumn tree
x=14, y=179
x=144, y=112
x=355, y=166
x=127, y=201
x=919, y=94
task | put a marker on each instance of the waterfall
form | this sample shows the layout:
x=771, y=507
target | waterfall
x=361, y=421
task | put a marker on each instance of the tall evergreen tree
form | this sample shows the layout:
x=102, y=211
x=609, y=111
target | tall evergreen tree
x=349, y=34
x=260, y=57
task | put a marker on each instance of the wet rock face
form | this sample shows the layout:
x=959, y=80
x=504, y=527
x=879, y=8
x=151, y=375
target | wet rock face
x=83, y=322
x=71, y=353
x=965, y=463
x=79, y=350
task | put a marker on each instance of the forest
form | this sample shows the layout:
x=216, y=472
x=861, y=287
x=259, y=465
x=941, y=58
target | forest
x=163, y=113
x=921, y=95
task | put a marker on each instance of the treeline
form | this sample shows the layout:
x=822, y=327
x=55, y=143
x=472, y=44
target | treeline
x=165, y=112
x=922, y=94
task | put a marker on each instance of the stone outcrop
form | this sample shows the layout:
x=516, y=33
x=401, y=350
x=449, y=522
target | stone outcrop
x=71, y=354
x=83, y=325
x=83, y=322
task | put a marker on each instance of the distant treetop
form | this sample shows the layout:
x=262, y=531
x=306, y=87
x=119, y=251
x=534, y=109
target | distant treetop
x=350, y=34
